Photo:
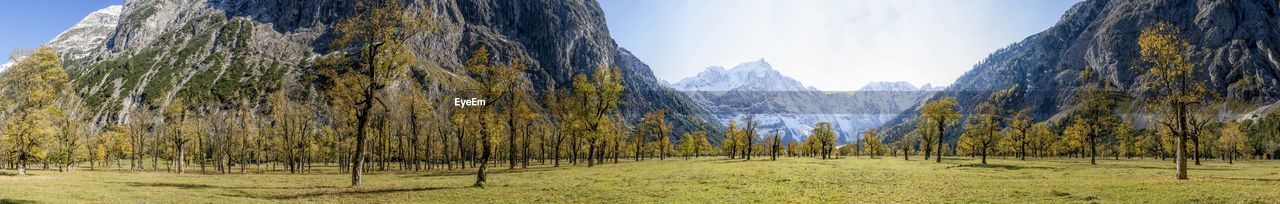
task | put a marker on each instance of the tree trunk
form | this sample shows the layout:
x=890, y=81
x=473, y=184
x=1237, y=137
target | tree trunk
x=22, y=162
x=591, y=152
x=984, y=156
x=1182, y=158
x=511, y=137
x=484, y=155
x=1022, y=149
x=1196, y=141
x=941, y=133
x=906, y=153
x=362, y=118
x=180, y=158
x=1093, y=151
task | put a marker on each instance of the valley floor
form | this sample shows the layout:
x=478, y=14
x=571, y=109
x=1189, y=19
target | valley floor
x=706, y=180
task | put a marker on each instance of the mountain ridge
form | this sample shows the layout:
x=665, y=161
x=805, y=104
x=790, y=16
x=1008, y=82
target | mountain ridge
x=781, y=103
x=1234, y=42
x=87, y=35
x=226, y=53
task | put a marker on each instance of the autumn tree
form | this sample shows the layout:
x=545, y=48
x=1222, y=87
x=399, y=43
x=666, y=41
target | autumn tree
x=730, y=141
x=823, y=139
x=872, y=142
x=138, y=128
x=1094, y=112
x=1171, y=80
x=1233, y=141
x=641, y=137
x=560, y=106
x=656, y=124
x=749, y=133
x=515, y=103
x=1020, y=126
x=773, y=140
x=694, y=143
x=599, y=97
x=372, y=47
x=292, y=125
x=983, y=130
x=495, y=84
x=70, y=119
x=178, y=130
x=906, y=143
x=30, y=89
x=936, y=116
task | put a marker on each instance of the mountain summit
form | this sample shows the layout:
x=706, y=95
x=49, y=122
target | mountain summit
x=890, y=86
x=87, y=36
x=756, y=75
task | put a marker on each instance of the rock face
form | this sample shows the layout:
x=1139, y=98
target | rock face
x=1236, y=42
x=87, y=36
x=224, y=52
x=782, y=104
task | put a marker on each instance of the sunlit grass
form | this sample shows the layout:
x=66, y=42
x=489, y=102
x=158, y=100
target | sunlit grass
x=676, y=180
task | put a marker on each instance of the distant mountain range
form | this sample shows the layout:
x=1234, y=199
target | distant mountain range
x=783, y=104
x=756, y=75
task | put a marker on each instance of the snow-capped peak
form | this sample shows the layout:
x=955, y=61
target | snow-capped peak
x=756, y=75
x=889, y=86
x=753, y=67
x=89, y=34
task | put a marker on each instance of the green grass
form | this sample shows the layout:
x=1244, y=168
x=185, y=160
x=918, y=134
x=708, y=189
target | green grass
x=788, y=180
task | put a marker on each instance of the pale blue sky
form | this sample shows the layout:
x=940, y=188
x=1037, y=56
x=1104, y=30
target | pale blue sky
x=30, y=23
x=829, y=44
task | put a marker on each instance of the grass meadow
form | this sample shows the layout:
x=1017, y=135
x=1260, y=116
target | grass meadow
x=676, y=180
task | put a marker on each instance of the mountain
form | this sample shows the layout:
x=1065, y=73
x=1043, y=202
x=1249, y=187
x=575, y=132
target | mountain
x=228, y=53
x=87, y=36
x=82, y=39
x=889, y=86
x=783, y=104
x=756, y=75
x=1234, y=42
x=931, y=87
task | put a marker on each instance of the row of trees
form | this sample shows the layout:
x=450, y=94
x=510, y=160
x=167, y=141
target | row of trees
x=1175, y=104
x=372, y=110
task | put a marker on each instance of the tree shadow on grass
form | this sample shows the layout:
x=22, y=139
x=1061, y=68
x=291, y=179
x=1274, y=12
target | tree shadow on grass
x=14, y=201
x=337, y=192
x=999, y=166
x=731, y=161
x=206, y=186
x=472, y=171
x=172, y=185
x=1247, y=179
x=1168, y=167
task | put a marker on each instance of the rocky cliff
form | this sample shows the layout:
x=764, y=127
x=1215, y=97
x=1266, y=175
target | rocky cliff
x=235, y=51
x=1236, y=42
x=87, y=36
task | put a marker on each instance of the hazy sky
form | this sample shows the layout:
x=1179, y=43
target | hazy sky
x=829, y=44
x=30, y=23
